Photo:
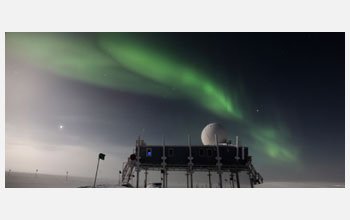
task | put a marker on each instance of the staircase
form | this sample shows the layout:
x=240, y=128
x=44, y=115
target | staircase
x=128, y=170
x=254, y=176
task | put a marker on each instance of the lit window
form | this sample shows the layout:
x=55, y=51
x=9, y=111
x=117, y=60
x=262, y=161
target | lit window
x=148, y=152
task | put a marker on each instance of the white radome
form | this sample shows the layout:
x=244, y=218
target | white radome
x=208, y=134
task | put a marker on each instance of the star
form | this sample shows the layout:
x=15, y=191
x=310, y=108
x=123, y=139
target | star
x=257, y=110
x=61, y=127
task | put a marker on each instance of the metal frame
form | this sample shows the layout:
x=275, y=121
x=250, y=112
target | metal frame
x=189, y=168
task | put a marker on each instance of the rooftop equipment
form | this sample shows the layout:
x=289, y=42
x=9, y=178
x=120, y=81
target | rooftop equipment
x=216, y=155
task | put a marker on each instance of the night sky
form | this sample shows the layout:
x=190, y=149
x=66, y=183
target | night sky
x=70, y=96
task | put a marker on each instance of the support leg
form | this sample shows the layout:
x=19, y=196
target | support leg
x=145, y=185
x=232, y=180
x=209, y=175
x=220, y=179
x=166, y=180
x=187, y=179
x=251, y=181
x=237, y=178
x=137, y=178
x=191, y=178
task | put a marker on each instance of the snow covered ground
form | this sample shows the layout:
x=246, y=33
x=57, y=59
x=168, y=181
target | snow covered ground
x=30, y=180
x=281, y=184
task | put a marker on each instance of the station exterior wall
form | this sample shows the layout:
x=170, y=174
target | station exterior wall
x=202, y=155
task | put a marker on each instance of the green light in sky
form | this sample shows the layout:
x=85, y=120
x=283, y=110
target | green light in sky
x=274, y=143
x=120, y=62
x=126, y=65
x=79, y=59
x=165, y=70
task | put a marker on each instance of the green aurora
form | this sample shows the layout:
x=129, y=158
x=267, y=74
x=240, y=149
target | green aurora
x=122, y=62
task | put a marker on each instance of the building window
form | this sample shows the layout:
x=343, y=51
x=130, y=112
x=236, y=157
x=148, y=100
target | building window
x=170, y=152
x=209, y=152
x=149, y=152
x=201, y=152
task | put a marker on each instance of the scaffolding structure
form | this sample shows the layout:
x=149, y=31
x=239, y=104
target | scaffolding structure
x=220, y=158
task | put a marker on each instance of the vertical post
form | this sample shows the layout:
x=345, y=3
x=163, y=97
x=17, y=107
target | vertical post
x=209, y=175
x=67, y=176
x=145, y=185
x=187, y=178
x=137, y=178
x=164, y=164
x=251, y=180
x=98, y=163
x=237, y=178
x=191, y=179
x=138, y=162
x=119, y=178
x=123, y=173
x=232, y=180
x=166, y=178
x=218, y=158
x=190, y=164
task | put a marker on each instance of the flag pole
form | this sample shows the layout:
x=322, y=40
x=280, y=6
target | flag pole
x=98, y=162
